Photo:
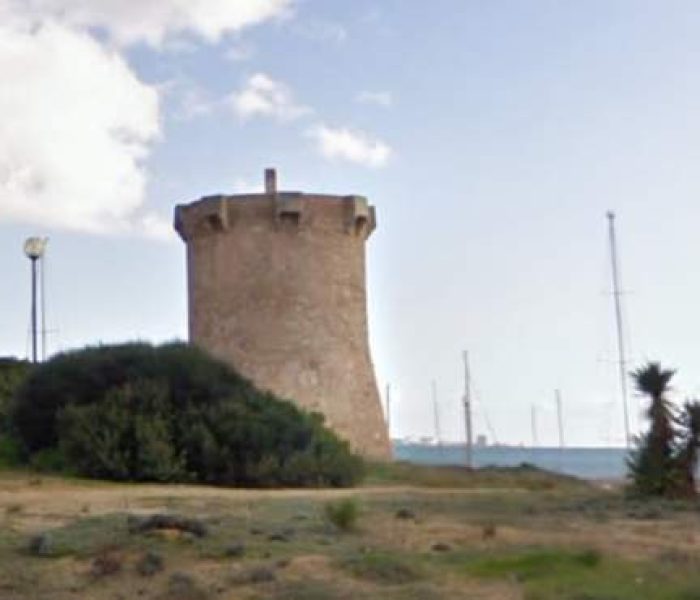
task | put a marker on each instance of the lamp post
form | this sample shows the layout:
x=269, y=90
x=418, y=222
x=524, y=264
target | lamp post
x=34, y=249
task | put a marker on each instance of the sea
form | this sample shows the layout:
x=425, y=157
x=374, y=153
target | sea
x=587, y=463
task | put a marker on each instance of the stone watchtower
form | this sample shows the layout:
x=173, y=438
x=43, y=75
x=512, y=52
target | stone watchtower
x=276, y=287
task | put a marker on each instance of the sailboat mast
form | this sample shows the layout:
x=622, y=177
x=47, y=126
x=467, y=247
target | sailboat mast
x=436, y=413
x=560, y=418
x=533, y=426
x=622, y=362
x=468, y=410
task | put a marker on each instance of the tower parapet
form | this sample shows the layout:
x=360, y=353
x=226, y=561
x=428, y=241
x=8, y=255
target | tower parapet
x=276, y=286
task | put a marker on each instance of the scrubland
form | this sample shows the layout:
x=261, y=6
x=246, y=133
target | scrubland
x=408, y=532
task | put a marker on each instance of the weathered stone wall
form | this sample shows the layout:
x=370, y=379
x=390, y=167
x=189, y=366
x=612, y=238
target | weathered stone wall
x=277, y=289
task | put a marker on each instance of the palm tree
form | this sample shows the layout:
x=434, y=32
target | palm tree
x=688, y=451
x=652, y=465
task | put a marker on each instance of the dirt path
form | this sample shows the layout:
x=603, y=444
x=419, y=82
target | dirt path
x=53, y=496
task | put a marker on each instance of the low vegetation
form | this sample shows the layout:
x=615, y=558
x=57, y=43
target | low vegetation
x=343, y=514
x=170, y=413
x=506, y=542
x=666, y=458
x=12, y=374
x=524, y=476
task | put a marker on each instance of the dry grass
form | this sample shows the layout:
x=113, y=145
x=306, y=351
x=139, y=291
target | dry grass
x=287, y=550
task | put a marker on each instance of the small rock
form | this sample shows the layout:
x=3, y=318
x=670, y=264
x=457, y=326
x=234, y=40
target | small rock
x=279, y=536
x=41, y=545
x=261, y=575
x=441, y=547
x=256, y=531
x=235, y=550
x=156, y=522
x=405, y=513
x=254, y=575
x=183, y=586
x=108, y=562
x=488, y=531
x=149, y=564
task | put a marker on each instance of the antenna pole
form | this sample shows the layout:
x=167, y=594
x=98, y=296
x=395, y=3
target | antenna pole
x=34, y=344
x=468, y=410
x=618, y=321
x=560, y=418
x=436, y=413
x=533, y=425
x=43, y=307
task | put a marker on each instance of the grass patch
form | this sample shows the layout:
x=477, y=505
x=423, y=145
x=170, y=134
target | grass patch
x=585, y=574
x=384, y=568
x=536, y=564
x=525, y=476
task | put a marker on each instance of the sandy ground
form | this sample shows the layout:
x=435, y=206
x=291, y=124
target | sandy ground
x=47, y=496
x=38, y=503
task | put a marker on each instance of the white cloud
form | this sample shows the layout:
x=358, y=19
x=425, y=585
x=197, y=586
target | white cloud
x=77, y=124
x=152, y=21
x=262, y=96
x=383, y=99
x=188, y=100
x=76, y=127
x=341, y=143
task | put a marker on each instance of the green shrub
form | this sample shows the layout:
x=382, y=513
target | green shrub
x=171, y=413
x=10, y=452
x=128, y=435
x=343, y=514
x=12, y=374
x=50, y=460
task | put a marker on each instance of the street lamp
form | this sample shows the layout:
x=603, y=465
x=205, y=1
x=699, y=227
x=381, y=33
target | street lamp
x=34, y=248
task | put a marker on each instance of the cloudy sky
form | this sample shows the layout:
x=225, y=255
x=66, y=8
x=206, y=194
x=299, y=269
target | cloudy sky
x=491, y=135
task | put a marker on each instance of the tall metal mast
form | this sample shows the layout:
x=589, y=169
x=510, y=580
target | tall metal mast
x=533, y=426
x=622, y=361
x=436, y=413
x=560, y=419
x=468, y=410
x=43, y=307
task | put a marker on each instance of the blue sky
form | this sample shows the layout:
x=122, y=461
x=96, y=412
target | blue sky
x=491, y=136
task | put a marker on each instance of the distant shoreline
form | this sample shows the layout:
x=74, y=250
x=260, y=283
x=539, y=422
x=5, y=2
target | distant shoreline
x=592, y=463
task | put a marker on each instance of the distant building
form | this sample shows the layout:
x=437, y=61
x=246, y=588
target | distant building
x=481, y=441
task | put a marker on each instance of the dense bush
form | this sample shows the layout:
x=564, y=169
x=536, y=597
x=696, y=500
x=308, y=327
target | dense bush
x=12, y=373
x=171, y=413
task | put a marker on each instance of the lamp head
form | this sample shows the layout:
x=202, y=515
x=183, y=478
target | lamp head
x=34, y=247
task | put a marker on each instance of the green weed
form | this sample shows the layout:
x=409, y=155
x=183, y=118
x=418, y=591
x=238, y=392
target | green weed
x=343, y=514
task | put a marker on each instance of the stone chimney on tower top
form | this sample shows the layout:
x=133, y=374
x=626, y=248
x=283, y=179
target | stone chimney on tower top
x=270, y=181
